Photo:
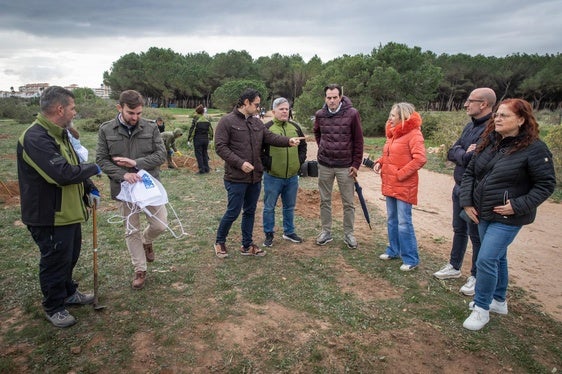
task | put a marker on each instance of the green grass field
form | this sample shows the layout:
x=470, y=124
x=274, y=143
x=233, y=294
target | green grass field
x=300, y=309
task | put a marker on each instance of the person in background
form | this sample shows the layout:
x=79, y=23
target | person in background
x=160, y=124
x=281, y=178
x=509, y=176
x=238, y=141
x=169, y=139
x=479, y=106
x=54, y=186
x=403, y=155
x=338, y=133
x=201, y=132
x=127, y=144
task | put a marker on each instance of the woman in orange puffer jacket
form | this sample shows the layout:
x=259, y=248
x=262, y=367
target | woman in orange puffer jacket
x=403, y=155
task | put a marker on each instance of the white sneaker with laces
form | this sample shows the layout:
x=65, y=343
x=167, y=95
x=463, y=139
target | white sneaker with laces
x=385, y=257
x=477, y=319
x=447, y=272
x=405, y=267
x=468, y=287
x=497, y=307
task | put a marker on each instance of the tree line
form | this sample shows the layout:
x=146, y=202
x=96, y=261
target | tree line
x=390, y=73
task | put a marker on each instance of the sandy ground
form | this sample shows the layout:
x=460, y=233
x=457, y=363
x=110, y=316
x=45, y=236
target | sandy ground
x=534, y=257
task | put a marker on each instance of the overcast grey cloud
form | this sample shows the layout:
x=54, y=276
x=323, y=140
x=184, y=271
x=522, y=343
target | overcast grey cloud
x=74, y=41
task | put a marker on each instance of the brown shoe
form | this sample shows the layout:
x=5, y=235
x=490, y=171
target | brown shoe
x=138, y=282
x=149, y=252
x=220, y=250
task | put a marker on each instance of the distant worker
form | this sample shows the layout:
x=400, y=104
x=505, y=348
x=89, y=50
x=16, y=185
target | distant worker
x=201, y=132
x=169, y=139
x=160, y=124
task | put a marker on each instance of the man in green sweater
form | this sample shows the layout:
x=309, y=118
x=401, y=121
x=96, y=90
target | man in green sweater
x=281, y=177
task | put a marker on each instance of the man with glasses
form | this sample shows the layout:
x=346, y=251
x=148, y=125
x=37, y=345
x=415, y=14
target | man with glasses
x=479, y=106
x=238, y=141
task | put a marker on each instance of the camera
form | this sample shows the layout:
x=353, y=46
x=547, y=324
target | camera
x=369, y=163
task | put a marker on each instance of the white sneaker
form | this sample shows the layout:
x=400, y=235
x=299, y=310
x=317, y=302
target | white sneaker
x=497, y=307
x=447, y=272
x=468, y=287
x=386, y=257
x=405, y=267
x=477, y=319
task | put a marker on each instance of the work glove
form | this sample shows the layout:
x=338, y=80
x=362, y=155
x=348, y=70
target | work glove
x=179, y=153
x=94, y=198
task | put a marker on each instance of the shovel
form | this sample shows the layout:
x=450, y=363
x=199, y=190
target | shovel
x=95, y=243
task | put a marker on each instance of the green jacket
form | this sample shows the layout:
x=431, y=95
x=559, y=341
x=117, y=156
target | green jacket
x=282, y=162
x=53, y=183
x=144, y=145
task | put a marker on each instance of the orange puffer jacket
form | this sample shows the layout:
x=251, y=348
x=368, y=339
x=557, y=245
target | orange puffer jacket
x=403, y=155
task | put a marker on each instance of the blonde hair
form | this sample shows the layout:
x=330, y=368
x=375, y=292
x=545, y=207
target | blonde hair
x=404, y=111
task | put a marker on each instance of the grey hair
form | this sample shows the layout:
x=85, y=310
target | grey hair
x=278, y=101
x=53, y=96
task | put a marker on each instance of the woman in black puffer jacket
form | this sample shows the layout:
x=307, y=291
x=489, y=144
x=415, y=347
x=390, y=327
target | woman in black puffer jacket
x=510, y=175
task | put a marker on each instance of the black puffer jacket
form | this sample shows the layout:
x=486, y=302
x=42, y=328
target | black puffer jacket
x=470, y=135
x=339, y=136
x=239, y=139
x=525, y=177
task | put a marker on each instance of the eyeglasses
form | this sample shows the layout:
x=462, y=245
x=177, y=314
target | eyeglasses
x=470, y=101
x=502, y=115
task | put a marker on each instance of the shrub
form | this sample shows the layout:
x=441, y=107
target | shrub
x=442, y=128
x=20, y=110
x=554, y=141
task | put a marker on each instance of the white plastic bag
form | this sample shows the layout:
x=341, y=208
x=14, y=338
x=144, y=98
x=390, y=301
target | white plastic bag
x=148, y=192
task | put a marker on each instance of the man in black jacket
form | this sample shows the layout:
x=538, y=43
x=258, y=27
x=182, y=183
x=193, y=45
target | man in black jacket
x=479, y=106
x=53, y=188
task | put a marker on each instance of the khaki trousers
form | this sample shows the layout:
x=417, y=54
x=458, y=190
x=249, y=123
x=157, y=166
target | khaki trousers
x=326, y=176
x=133, y=236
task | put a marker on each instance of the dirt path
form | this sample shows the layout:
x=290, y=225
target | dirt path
x=534, y=257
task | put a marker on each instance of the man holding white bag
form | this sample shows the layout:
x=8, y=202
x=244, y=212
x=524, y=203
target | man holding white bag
x=127, y=144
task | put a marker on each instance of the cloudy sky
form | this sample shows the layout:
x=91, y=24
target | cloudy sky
x=67, y=42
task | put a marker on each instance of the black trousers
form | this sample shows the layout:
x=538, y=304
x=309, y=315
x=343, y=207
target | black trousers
x=60, y=248
x=201, y=154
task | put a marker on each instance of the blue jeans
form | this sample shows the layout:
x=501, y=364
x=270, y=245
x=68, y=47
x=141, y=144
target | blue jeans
x=492, y=276
x=272, y=188
x=401, y=234
x=241, y=196
x=461, y=231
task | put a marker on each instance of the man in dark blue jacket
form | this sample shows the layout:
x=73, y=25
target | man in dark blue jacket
x=479, y=106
